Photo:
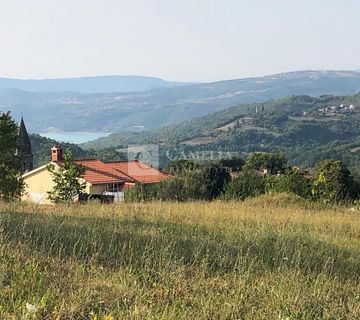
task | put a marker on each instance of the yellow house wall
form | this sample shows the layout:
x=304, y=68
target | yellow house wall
x=39, y=183
x=36, y=187
x=87, y=186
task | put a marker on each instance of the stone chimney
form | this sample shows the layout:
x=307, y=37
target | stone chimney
x=56, y=153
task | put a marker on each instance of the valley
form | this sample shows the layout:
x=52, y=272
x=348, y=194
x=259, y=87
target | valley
x=161, y=106
x=306, y=128
x=278, y=125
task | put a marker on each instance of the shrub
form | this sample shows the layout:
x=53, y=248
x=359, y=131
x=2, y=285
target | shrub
x=193, y=182
x=67, y=179
x=333, y=182
x=273, y=162
x=244, y=186
x=290, y=182
x=142, y=192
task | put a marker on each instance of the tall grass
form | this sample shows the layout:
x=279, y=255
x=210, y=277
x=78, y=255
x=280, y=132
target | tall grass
x=266, y=258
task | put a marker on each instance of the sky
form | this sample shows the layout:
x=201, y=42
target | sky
x=183, y=40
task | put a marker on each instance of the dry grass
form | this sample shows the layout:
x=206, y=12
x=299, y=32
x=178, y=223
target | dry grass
x=266, y=258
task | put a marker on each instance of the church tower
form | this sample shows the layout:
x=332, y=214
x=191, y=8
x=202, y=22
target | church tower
x=24, y=149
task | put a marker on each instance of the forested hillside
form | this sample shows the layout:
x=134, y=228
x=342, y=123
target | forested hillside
x=308, y=129
x=41, y=149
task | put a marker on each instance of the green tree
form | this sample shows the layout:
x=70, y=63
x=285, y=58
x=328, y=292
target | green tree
x=67, y=179
x=291, y=181
x=11, y=184
x=203, y=182
x=233, y=164
x=244, y=186
x=171, y=189
x=333, y=182
x=190, y=181
x=196, y=185
x=199, y=181
x=273, y=162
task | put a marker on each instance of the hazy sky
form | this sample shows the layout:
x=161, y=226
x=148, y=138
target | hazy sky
x=189, y=40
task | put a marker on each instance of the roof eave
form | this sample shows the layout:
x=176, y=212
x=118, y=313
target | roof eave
x=93, y=183
x=30, y=173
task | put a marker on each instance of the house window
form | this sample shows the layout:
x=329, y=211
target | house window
x=113, y=187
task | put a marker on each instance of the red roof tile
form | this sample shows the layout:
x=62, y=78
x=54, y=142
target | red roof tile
x=138, y=171
x=98, y=172
x=127, y=186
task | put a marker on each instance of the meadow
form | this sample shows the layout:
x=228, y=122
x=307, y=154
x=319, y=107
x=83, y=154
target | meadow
x=272, y=257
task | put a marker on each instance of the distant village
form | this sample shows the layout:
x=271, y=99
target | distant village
x=333, y=111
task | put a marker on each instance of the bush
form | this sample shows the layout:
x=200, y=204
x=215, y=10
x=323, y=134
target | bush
x=290, y=182
x=193, y=182
x=244, y=186
x=248, y=184
x=273, y=162
x=67, y=179
x=333, y=182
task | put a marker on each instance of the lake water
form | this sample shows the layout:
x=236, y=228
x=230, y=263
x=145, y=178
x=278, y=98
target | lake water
x=74, y=137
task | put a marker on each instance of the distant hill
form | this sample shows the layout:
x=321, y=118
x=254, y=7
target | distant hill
x=89, y=84
x=111, y=112
x=308, y=129
x=41, y=150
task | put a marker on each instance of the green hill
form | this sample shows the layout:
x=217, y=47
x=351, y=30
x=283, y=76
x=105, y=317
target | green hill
x=41, y=149
x=308, y=129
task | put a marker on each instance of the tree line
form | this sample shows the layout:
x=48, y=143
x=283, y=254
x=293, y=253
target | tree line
x=236, y=179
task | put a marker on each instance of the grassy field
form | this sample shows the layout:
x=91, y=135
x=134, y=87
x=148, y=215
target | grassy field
x=266, y=258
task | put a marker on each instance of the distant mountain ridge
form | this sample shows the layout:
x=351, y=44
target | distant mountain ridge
x=89, y=85
x=119, y=111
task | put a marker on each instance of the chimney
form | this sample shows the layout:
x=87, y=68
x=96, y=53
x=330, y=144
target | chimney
x=56, y=153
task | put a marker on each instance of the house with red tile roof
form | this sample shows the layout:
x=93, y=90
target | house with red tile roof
x=103, y=180
x=138, y=171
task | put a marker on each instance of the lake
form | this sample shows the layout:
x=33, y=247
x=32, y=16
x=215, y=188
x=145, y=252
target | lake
x=73, y=137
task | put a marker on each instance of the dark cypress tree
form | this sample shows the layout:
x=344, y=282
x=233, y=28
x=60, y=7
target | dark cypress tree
x=11, y=184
